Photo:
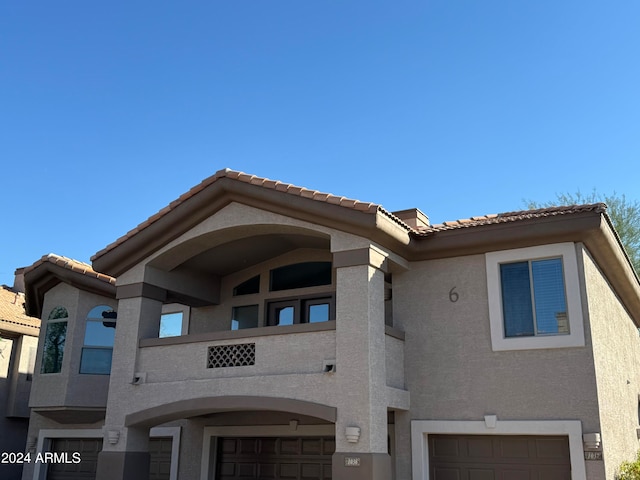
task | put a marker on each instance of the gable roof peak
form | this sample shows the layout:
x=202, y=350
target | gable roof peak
x=253, y=180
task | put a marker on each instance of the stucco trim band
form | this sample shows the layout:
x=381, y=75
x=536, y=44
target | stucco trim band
x=238, y=334
x=141, y=289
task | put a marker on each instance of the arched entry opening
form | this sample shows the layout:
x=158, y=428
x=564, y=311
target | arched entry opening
x=250, y=436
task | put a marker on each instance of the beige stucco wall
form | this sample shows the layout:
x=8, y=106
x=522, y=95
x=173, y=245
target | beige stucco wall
x=453, y=374
x=616, y=350
x=69, y=387
x=13, y=431
x=305, y=354
x=394, y=364
x=20, y=375
x=458, y=376
x=51, y=389
x=295, y=362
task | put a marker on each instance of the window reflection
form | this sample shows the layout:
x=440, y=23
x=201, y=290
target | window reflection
x=170, y=325
x=99, y=337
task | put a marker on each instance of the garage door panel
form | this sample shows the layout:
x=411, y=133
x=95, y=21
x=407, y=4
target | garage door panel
x=443, y=447
x=481, y=447
x=89, y=448
x=288, y=470
x=290, y=446
x=247, y=446
x=282, y=458
x=445, y=473
x=268, y=446
x=499, y=457
x=514, y=449
x=513, y=474
x=481, y=474
x=552, y=448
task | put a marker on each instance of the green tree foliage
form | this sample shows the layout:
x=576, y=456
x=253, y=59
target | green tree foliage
x=624, y=214
x=629, y=470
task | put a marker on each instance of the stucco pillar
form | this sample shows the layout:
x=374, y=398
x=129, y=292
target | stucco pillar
x=125, y=450
x=124, y=455
x=360, y=375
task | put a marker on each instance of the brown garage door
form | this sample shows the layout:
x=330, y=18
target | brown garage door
x=86, y=469
x=280, y=458
x=159, y=449
x=498, y=457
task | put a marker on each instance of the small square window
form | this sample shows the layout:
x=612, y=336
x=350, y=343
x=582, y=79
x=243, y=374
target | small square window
x=174, y=320
x=534, y=298
x=318, y=313
x=244, y=317
x=283, y=313
x=170, y=325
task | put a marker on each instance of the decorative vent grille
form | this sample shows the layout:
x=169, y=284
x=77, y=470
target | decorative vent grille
x=239, y=355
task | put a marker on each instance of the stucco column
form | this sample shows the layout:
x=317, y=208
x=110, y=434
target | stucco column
x=125, y=450
x=360, y=375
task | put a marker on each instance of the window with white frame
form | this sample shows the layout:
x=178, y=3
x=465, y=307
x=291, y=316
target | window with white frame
x=534, y=298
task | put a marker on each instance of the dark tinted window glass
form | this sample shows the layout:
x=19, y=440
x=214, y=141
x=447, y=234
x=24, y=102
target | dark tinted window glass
x=54, y=347
x=246, y=288
x=300, y=275
x=548, y=288
x=244, y=317
x=96, y=361
x=516, y=300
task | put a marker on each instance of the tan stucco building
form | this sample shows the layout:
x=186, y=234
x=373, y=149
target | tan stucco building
x=254, y=329
x=18, y=345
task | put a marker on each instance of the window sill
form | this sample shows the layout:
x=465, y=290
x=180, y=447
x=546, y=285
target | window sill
x=237, y=334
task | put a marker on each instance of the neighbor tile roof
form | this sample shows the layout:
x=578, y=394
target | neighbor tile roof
x=510, y=217
x=12, y=310
x=366, y=207
x=73, y=265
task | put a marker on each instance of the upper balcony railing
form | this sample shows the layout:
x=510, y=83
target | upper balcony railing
x=278, y=350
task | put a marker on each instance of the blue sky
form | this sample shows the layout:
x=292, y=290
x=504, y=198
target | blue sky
x=110, y=110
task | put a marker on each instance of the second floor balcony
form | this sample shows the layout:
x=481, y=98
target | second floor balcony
x=272, y=350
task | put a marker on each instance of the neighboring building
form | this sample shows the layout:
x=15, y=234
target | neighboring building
x=262, y=330
x=18, y=343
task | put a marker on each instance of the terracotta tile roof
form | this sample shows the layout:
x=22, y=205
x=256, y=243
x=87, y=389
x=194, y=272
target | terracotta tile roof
x=12, y=310
x=511, y=217
x=73, y=265
x=366, y=207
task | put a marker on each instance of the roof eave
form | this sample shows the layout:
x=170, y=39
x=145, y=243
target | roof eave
x=499, y=236
x=606, y=249
x=9, y=329
x=117, y=259
x=43, y=277
x=591, y=228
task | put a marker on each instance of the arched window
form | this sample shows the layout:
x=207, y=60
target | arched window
x=54, y=340
x=98, y=341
